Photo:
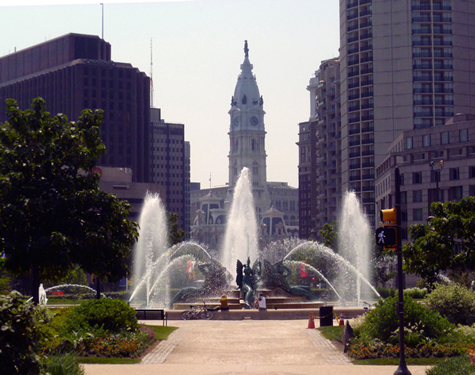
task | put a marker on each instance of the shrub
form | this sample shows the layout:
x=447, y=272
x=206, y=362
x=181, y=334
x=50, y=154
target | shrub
x=382, y=323
x=64, y=364
x=454, y=301
x=462, y=334
x=104, y=314
x=457, y=365
x=20, y=336
x=416, y=293
x=385, y=292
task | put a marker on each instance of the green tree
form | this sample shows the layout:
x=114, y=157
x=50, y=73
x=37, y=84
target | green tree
x=175, y=234
x=20, y=336
x=329, y=233
x=433, y=246
x=53, y=216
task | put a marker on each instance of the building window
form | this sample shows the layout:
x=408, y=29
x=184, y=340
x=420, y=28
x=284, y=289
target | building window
x=454, y=174
x=417, y=177
x=403, y=197
x=426, y=140
x=417, y=214
x=471, y=172
x=417, y=196
x=464, y=135
x=409, y=143
x=444, y=138
x=255, y=169
x=456, y=193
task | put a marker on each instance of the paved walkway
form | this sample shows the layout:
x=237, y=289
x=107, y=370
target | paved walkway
x=268, y=347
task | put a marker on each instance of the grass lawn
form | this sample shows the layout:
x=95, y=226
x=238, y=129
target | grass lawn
x=161, y=333
x=109, y=361
x=63, y=301
x=395, y=361
x=332, y=332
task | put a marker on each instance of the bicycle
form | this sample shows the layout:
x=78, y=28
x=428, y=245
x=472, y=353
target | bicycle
x=197, y=312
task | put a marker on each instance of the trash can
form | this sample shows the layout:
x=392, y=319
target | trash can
x=326, y=316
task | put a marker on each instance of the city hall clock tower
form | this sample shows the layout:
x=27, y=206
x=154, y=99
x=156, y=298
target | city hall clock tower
x=247, y=136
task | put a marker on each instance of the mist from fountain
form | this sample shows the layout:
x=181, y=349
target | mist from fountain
x=150, y=255
x=345, y=269
x=354, y=243
x=241, y=241
x=315, y=271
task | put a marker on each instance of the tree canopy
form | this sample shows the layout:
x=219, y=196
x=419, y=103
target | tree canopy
x=175, y=234
x=53, y=215
x=446, y=243
x=329, y=233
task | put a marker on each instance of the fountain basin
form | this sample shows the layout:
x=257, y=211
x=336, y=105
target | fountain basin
x=279, y=314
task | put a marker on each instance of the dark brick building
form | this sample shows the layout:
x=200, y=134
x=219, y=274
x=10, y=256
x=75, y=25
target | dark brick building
x=74, y=72
x=170, y=166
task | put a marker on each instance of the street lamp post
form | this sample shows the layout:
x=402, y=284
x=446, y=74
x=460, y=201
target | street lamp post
x=402, y=369
x=437, y=177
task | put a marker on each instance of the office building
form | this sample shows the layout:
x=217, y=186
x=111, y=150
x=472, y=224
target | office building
x=170, y=166
x=405, y=64
x=436, y=164
x=320, y=152
x=74, y=72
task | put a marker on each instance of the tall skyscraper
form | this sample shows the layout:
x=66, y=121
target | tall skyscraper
x=405, y=64
x=74, y=72
x=170, y=163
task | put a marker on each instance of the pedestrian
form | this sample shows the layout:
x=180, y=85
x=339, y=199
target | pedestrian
x=224, y=303
x=262, y=302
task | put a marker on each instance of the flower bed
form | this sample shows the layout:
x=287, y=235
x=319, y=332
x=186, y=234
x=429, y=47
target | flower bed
x=130, y=345
x=378, y=349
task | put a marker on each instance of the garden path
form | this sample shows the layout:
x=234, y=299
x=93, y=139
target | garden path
x=270, y=347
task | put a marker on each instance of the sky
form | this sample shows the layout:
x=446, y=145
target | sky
x=193, y=50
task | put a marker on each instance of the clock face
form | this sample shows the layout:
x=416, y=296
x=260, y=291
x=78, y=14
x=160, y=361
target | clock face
x=254, y=120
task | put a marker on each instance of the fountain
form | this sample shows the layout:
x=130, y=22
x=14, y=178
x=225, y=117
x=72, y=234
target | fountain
x=346, y=273
x=151, y=255
x=240, y=241
x=354, y=244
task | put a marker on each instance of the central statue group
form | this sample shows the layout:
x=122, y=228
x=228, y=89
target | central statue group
x=271, y=276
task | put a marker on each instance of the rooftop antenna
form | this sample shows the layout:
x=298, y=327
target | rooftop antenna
x=102, y=4
x=151, y=74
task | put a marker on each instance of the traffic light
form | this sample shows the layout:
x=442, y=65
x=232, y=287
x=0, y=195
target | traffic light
x=389, y=215
x=386, y=236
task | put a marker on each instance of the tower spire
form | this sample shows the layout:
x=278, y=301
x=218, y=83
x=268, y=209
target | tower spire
x=246, y=49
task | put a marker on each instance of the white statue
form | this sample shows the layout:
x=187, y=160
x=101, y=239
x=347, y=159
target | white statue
x=42, y=295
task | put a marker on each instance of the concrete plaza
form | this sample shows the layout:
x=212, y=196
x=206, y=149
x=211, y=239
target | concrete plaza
x=235, y=347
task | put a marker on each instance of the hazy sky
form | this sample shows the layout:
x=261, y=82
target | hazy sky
x=197, y=52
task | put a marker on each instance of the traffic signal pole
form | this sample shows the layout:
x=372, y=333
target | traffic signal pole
x=402, y=369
